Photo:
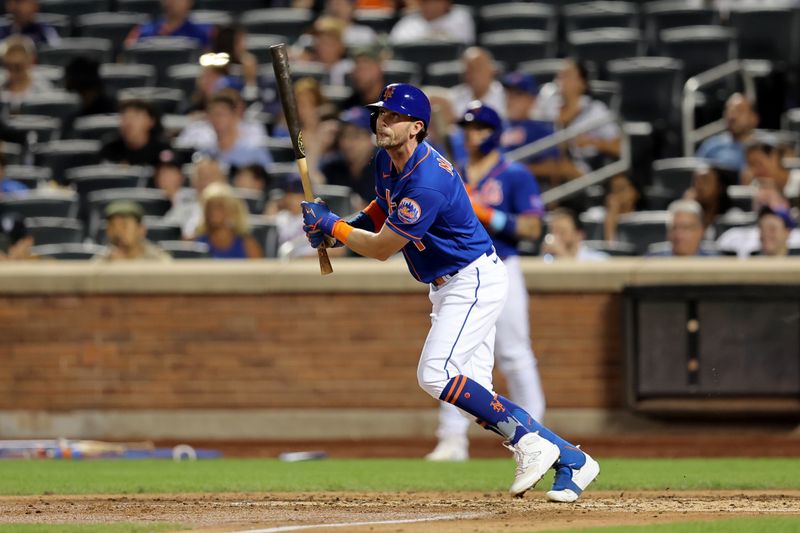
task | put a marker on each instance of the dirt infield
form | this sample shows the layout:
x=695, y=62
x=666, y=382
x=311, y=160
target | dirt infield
x=397, y=512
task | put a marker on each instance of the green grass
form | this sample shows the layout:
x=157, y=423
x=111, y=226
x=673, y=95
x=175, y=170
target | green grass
x=88, y=528
x=782, y=524
x=254, y=475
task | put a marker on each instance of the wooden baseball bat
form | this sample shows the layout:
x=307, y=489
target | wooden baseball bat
x=283, y=76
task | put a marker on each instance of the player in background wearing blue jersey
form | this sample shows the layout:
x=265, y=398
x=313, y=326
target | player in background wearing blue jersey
x=499, y=190
x=422, y=209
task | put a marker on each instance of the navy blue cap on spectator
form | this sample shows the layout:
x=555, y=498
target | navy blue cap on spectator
x=783, y=214
x=357, y=116
x=521, y=82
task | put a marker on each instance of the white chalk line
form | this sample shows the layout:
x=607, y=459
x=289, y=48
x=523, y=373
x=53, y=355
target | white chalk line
x=461, y=516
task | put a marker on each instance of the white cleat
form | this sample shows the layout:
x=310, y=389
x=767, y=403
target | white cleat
x=570, y=483
x=534, y=456
x=450, y=449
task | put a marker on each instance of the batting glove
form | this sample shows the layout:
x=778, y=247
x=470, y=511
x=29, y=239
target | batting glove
x=316, y=238
x=317, y=215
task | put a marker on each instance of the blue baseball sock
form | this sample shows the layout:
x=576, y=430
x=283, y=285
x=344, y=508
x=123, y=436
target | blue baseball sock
x=480, y=403
x=570, y=455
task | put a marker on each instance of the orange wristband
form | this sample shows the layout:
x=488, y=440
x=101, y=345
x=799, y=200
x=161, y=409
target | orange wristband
x=483, y=212
x=342, y=230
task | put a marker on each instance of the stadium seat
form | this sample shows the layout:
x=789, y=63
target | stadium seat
x=174, y=124
x=58, y=104
x=650, y=89
x=162, y=53
x=54, y=230
x=34, y=128
x=266, y=233
x=148, y=7
x=212, y=17
x=741, y=196
x=337, y=197
x=163, y=99
x=259, y=45
x=70, y=251
x=425, y=53
x=642, y=229
x=398, y=71
x=607, y=92
x=289, y=22
x=665, y=247
x=100, y=50
x=444, y=73
x=281, y=150
x=515, y=46
x=31, y=176
x=593, y=225
x=112, y=26
x=253, y=199
x=336, y=94
x=60, y=156
x=234, y=6
x=734, y=219
x=517, y=16
x=544, y=70
x=59, y=22
x=380, y=20
x=666, y=14
x=98, y=127
x=300, y=69
x=73, y=8
x=184, y=77
x=87, y=179
x=117, y=76
x=42, y=203
x=600, y=46
x=767, y=32
x=185, y=249
x=600, y=14
x=12, y=153
x=699, y=48
x=612, y=248
x=675, y=174
x=154, y=203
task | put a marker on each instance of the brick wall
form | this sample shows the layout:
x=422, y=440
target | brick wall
x=272, y=351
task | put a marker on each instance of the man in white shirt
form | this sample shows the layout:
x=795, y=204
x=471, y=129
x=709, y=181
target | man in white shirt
x=480, y=83
x=565, y=240
x=436, y=20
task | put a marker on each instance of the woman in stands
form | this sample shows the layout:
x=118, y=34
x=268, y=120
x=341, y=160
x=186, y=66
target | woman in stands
x=225, y=228
x=572, y=104
x=710, y=189
x=19, y=55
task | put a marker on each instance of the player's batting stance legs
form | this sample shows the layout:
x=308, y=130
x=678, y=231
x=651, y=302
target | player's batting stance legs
x=422, y=209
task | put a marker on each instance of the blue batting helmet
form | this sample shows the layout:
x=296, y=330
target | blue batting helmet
x=481, y=114
x=404, y=99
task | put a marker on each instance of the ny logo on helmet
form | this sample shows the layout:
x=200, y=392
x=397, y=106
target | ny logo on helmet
x=387, y=93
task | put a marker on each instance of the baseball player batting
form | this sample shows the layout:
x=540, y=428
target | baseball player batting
x=422, y=209
x=501, y=191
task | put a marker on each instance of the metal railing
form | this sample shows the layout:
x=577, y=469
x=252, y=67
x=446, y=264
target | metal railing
x=691, y=89
x=575, y=186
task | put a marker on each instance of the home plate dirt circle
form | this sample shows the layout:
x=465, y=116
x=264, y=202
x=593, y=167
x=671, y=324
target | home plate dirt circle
x=396, y=512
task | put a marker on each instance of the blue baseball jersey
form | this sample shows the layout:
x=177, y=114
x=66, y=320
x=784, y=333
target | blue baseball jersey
x=511, y=188
x=428, y=204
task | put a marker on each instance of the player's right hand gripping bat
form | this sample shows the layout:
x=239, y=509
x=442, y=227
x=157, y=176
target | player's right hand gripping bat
x=283, y=76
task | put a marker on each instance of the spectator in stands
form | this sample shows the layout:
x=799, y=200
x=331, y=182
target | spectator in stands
x=743, y=241
x=435, y=20
x=327, y=47
x=774, y=228
x=565, y=240
x=622, y=196
x=231, y=40
x=139, y=141
x=186, y=208
x=126, y=235
x=572, y=105
x=232, y=148
x=252, y=177
x=480, y=83
x=23, y=22
x=82, y=76
x=15, y=241
x=521, y=91
x=685, y=230
x=19, y=55
x=727, y=148
x=9, y=186
x=366, y=77
x=169, y=178
x=764, y=159
x=175, y=21
x=353, y=34
x=710, y=189
x=212, y=77
x=225, y=228
x=353, y=164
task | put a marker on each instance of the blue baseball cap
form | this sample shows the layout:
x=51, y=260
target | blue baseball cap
x=357, y=116
x=521, y=82
x=781, y=213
